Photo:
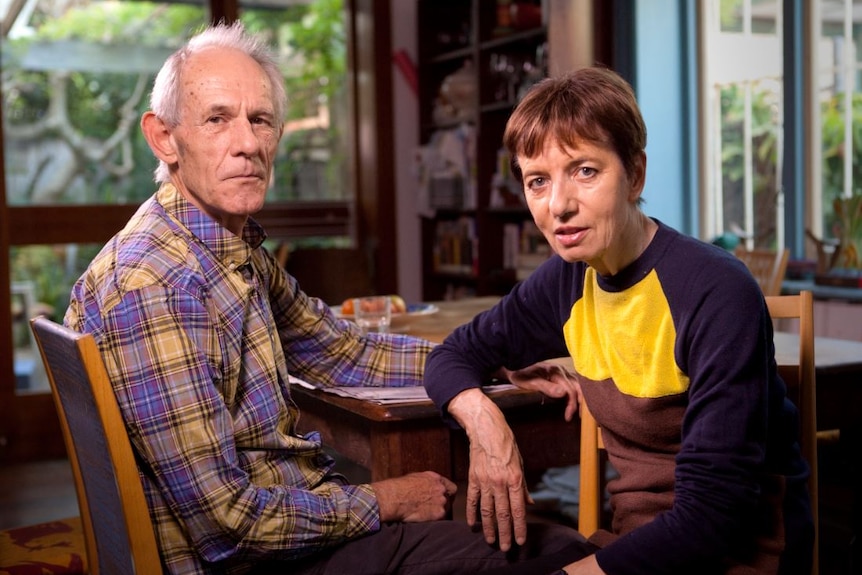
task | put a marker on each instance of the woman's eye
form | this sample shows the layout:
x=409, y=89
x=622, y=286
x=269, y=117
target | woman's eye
x=536, y=183
x=587, y=171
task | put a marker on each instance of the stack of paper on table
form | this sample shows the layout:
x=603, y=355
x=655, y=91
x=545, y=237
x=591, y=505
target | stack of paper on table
x=387, y=395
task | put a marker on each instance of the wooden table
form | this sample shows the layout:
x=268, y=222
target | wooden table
x=391, y=440
x=451, y=314
x=838, y=367
x=396, y=439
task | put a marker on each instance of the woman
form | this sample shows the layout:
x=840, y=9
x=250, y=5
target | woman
x=672, y=346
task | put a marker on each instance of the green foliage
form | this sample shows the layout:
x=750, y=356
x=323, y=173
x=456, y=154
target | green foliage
x=94, y=100
x=763, y=133
x=843, y=214
x=310, y=38
x=833, y=148
x=315, y=75
x=28, y=101
x=52, y=270
x=764, y=143
x=139, y=23
x=729, y=15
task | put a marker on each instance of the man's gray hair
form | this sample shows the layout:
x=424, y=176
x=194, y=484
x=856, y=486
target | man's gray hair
x=166, y=94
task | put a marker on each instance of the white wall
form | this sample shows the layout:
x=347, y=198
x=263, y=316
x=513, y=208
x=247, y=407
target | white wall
x=406, y=119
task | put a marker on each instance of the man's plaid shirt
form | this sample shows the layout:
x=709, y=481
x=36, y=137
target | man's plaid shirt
x=199, y=329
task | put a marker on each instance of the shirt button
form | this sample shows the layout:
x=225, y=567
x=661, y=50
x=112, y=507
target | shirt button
x=232, y=266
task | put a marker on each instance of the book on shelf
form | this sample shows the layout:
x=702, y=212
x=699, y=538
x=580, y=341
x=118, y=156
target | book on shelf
x=524, y=248
x=456, y=246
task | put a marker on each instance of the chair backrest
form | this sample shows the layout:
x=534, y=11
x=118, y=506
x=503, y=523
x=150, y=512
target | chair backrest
x=118, y=531
x=590, y=495
x=767, y=266
x=800, y=379
x=802, y=388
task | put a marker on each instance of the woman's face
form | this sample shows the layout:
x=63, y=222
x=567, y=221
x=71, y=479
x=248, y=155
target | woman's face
x=586, y=204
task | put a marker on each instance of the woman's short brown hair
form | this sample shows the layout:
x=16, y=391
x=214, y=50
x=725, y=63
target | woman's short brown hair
x=593, y=104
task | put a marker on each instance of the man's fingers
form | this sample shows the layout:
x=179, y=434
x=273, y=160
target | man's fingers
x=449, y=486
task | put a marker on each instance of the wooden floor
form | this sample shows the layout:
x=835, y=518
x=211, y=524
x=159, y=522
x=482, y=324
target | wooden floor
x=36, y=492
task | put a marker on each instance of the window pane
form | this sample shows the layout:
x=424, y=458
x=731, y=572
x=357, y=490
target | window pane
x=764, y=16
x=840, y=109
x=76, y=78
x=744, y=122
x=313, y=159
x=732, y=17
x=42, y=279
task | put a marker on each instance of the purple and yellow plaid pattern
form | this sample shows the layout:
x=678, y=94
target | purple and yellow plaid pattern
x=199, y=329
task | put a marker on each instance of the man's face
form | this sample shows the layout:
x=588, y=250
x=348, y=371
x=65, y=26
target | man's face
x=227, y=137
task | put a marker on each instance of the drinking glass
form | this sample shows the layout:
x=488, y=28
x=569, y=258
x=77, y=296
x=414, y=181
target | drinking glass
x=373, y=313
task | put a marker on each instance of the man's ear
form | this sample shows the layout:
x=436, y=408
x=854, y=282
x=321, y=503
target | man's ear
x=158, y=137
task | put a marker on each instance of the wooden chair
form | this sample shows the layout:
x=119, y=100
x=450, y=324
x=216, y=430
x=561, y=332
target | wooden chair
x=767, y=266
x=802, y=387
x=801, y=382
x=118, y=532
x=590, y=499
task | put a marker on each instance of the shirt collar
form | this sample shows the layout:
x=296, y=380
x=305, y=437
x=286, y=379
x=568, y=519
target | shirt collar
x=227, y=247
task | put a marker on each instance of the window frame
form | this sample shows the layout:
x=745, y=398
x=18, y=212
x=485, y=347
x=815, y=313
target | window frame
x=29, y=428
x=799, y=191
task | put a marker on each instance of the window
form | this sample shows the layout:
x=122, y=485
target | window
x=837, y=144
x=58, y=227
x=75, y=81
x=744, y=126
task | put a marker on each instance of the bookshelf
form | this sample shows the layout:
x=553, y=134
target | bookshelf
x=476, y=58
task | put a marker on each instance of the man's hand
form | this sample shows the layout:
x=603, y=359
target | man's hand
x=415, y=497
x=496, y=487
x=549, y=378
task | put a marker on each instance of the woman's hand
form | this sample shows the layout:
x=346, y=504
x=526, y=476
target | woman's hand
x=586, y=566
x=549, y=378
x=496, y=487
